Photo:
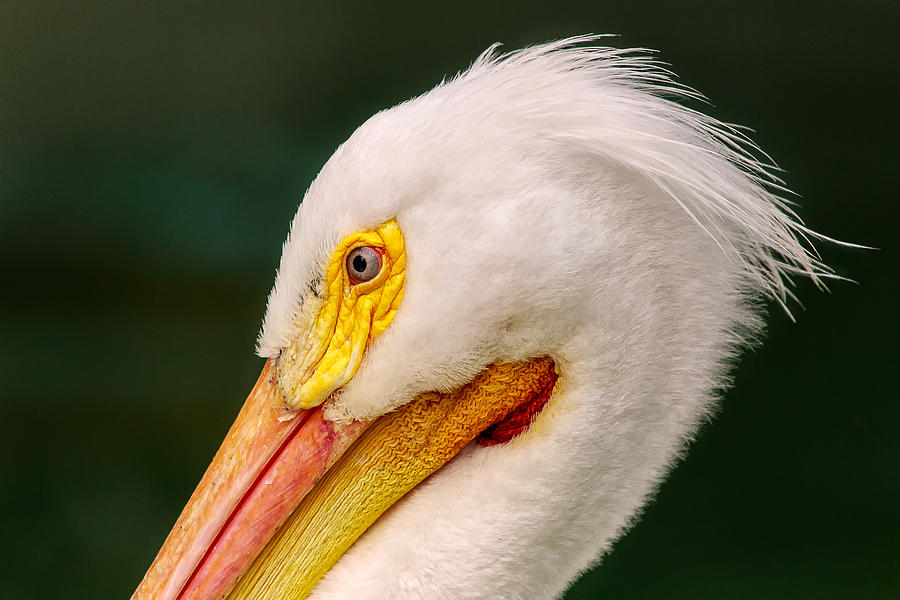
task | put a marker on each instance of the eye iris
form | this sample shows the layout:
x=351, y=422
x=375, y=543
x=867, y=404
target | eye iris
x=363, y=264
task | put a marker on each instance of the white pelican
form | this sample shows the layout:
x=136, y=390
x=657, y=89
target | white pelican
x=540, y=269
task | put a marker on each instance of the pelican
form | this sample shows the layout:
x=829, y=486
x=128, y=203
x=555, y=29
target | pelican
x=501, y=312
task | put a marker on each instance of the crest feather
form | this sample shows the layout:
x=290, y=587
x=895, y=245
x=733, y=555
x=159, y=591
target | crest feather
x=632, y=114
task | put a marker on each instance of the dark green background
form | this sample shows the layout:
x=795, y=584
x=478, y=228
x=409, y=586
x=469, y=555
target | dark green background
x=151, y=158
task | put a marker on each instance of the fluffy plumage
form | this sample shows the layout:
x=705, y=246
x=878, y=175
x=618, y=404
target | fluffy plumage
x=556, y=200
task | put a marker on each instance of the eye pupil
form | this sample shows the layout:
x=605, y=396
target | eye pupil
x=363, y=264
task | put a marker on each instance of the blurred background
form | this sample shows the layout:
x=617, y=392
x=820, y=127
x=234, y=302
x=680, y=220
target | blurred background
x=152, y=155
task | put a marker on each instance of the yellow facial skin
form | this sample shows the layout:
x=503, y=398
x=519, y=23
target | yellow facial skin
x=330, y=346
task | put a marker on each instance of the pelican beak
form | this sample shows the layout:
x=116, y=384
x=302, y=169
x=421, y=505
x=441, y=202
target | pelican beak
x=289, y=491
x=269, y=460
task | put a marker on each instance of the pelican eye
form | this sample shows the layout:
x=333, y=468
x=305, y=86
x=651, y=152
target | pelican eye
x=363, y=264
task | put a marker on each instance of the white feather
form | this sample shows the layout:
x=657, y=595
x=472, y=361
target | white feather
x=556, y=200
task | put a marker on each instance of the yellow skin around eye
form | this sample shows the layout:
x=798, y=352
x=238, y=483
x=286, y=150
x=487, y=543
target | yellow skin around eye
x=330, y=345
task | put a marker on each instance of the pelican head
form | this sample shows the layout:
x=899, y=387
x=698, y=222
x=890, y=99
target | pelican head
x=501, y=312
